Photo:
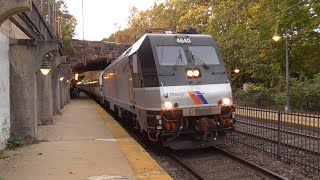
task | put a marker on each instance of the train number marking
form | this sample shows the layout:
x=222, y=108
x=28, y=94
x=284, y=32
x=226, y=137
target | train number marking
x=183, y=40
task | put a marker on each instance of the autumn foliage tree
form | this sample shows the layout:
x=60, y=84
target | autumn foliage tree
x=243, y=31
x=68, y=25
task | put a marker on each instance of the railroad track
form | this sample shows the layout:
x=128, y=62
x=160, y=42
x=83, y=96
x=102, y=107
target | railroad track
x=252, y=135
x=288, y=152
x=274, y=127
x=217, y=163
x=285, y=137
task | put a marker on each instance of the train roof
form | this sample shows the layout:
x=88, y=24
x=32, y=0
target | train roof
x=90, y=75
x=160, y=39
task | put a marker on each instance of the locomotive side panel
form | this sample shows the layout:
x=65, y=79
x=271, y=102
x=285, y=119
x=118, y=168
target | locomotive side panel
x=115, y=85
x=148, y=98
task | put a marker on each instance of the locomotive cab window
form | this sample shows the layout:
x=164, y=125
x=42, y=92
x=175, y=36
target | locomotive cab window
x=204, y=54
x=135, y=64
x=148, y=68
x=171, y=55
x=135, y=69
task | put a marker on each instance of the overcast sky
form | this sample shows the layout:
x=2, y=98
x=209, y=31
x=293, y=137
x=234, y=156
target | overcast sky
x=100, y=16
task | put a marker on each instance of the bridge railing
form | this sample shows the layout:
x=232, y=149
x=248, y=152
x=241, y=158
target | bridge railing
x=290, y=137
x=45, y=16
x=43, y=21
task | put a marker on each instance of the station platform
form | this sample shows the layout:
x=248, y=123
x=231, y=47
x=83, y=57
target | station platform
x=85, y=143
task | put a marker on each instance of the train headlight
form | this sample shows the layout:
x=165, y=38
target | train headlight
x=168, y=105
x=190, y=73
x=226, y=101
x=196, y=73
x=193, y=73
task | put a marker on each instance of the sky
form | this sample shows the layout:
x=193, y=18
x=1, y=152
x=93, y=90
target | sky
x=100, y=16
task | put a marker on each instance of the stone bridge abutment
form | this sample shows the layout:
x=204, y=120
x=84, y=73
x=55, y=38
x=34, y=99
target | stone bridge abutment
x=28, y=98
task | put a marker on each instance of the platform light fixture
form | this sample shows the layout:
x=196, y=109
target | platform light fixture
x=62, y=78
x=236, y=70
x=76, y=76
x=45, y=68
x=276, y=36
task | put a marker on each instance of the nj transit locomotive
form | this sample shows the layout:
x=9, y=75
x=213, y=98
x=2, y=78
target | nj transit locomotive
x=173, y=87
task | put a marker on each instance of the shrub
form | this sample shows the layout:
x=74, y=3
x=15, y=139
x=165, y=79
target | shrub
x=14, y=142
x=257, y=96
x=305, y=96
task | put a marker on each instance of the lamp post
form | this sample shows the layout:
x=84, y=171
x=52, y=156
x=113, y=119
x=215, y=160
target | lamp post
x=276, y=37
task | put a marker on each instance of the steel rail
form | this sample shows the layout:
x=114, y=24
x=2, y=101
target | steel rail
x=187, y=167
x=299, y=163
x=252, y=165
x=276, y=142
x=241, y=120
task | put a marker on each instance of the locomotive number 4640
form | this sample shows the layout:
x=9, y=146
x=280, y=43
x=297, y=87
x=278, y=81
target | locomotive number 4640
x=183, y=40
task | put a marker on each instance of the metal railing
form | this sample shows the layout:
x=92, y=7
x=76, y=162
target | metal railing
x=45, y=15
x=44, y=21
x=290, y=137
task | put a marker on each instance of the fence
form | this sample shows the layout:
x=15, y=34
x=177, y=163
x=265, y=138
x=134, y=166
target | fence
x=290, y=137
x=300, y=102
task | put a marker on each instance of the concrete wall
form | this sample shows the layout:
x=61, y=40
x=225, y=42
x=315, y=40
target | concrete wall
x=23, y=94
x=4, y=91
x=12, y=31
x=45, y=98
x=7, y=30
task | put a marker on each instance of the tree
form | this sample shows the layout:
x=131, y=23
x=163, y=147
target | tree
x=243, y=31
x=68, y=25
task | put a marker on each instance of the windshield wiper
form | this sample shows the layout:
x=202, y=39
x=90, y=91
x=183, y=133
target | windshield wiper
x=196, y=58
x=179, y=59
x=214, y=73
x=167, y=74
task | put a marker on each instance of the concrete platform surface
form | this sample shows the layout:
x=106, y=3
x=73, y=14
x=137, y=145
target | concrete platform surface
x=85, y=143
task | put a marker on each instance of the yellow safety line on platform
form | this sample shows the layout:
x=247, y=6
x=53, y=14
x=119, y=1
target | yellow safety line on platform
x=143, y=165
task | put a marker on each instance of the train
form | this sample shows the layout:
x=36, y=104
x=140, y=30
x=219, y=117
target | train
x=173, y=88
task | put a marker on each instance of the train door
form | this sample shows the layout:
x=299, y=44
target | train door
x=133, y=75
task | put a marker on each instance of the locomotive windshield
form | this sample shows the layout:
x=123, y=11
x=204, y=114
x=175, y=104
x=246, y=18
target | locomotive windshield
x=204, y=55
x=171, y=55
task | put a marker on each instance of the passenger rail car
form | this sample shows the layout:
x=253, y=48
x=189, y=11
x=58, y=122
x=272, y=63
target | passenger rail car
x=174, y=88
x=92, y=84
